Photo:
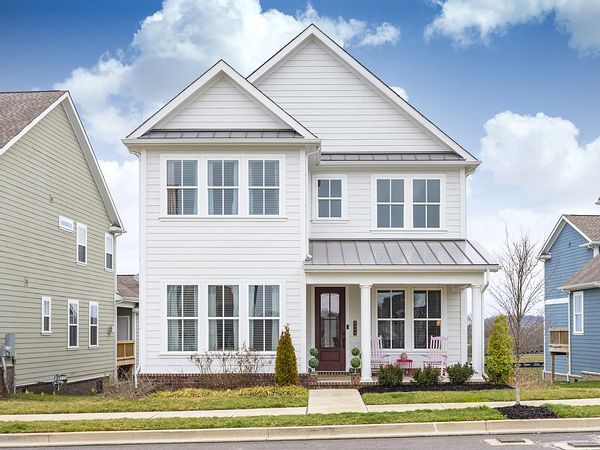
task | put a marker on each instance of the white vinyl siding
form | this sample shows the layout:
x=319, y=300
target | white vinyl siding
x=182, y=187
x=427, y=203
x=182, y=318
x=263, y=187
x=73, y=324
x=223, y=317
x=263, y=315
x=390, y=203
x=66, y=223
x=94, y=314
x=109, y=250
x=82, y=243
x=223, y=187
x=577, y=312
x=391, y=315
x=46, y=315
x=427, y=316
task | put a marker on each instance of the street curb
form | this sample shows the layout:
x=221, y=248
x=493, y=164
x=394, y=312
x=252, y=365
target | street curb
x=392, y=430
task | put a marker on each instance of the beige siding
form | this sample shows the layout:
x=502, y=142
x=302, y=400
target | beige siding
x=42, y=176
x=327, y=97
x=222, y=105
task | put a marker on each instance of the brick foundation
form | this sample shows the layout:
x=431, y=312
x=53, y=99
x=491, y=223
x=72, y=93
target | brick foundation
x=10, y=370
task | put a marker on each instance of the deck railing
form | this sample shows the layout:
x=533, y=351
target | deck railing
x=125, y=353
x=559, y=340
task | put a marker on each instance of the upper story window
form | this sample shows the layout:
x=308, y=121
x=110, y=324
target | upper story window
x=46, y=315
x=182, y=187
x=577, y=312
x=390, y=203
x=263, y=185
x=182, y=318
x=222, y=187
x=329, y=198
x=81, y=243
x=65, y=223
x=426, y=203
x=109, y=243
x=391, y=312
x=223, y=317
x=73, y=331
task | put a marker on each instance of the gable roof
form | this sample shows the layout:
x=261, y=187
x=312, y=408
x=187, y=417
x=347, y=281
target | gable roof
x=313, y=32
x=21, y=111
x=587, y=277
x=588, y=226
x=128, y=286
x=219, y=69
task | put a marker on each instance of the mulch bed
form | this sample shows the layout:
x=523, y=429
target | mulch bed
x=434, y=387
x=527, y=412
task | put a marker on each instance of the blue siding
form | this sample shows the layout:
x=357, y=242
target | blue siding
x=556, y=316
x=566, y=259
x=585, y=348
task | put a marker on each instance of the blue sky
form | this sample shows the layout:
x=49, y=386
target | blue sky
x=517, y=86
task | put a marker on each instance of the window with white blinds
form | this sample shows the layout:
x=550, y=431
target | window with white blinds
x=73, y=331
x=182, y=187
x=93, y=324
x=223, y=317
x=222, y=187
x=263, y=313
x=263, y=183
x=81, y=243
x=182, y=318
x=46, y=315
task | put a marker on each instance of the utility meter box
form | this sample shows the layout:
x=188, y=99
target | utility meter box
x=10, y=342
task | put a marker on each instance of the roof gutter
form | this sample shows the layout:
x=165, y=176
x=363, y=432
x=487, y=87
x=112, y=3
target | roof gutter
x=398, y=268
x=132, y=142
x=576, y=287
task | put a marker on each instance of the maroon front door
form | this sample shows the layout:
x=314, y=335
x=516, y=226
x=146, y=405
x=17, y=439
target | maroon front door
x=330, y=328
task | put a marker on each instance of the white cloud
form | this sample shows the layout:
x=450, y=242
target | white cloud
x=466, y=21
x=400, y=91
x=384, y=33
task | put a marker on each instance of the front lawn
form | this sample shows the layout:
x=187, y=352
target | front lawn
x=466, y=414
x=181, y=400
x=545, y=391
x=579, y=412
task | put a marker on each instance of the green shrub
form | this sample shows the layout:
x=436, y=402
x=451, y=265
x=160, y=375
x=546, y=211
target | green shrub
x=355, y=351
x=427, y=376
x=390, y=375
x=313, y=363
x=355, y=362
x=460, y=373
x=499, y=366
x=286, y=369
x=313, y=352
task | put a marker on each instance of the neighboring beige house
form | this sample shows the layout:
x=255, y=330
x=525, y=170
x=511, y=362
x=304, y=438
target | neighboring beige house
x=57, y=247
x=128, y=287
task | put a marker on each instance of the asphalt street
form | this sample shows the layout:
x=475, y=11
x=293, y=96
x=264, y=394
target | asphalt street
x=548, y=441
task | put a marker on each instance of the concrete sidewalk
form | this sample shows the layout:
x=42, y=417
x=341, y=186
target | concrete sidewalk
x=321, y=401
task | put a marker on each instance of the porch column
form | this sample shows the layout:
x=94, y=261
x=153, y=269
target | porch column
x=365, y=331
x=477, y=339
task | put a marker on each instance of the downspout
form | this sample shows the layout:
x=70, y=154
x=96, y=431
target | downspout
x=308, y=208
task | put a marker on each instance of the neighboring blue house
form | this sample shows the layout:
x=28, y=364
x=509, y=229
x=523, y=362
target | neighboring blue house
x=572, y=297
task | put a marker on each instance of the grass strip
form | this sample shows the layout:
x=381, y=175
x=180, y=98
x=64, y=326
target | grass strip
x=481, y=413
x=575, y=412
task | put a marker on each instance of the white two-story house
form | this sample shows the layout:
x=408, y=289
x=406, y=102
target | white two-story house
x=308, y=194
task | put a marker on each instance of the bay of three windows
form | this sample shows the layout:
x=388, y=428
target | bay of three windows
x=222, y=187
x=224, y=315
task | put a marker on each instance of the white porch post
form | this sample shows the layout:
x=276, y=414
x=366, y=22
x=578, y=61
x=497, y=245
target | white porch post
x=477, y=330
x=365, y=331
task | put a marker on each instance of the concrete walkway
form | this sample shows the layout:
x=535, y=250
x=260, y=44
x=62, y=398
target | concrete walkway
x=320, y=401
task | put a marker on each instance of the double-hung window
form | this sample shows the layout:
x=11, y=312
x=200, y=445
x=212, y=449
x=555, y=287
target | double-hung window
x=182, y=187
x=109, y=243
x=391, y=313
x=263, y=312
x=426, y=203
x=81, y=243
x=390, y=203
x=329, y=198
x=73, y=331
x=223, y=317
x=46, y=315
x=94, y=314
x=577, y=312
x=263, y=185
x=182, y=318
x=427, y=314
x=222, y=187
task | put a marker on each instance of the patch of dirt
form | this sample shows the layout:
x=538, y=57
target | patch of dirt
x=527, y=412
x=409, y=387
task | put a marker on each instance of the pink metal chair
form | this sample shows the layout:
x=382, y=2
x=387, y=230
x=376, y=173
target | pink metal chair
x=438, y=354
x=378, y=359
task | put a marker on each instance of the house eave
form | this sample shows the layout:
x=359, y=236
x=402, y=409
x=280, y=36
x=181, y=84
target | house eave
x=136, y=143
x=357, y=164
x=400, y=268
x=581, y=286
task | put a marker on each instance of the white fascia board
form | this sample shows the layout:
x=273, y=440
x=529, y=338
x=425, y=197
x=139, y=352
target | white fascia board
x=33, y=123
x=581, y=286
x=132, y=143
x=358, y=164
x=312, y=31
x=557, y=301
x=221, y=67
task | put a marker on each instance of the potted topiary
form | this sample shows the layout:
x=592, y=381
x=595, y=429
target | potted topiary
x=313, y=365
x=355, y=366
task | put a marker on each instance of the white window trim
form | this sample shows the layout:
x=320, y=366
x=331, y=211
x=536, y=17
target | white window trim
x=315, y=197
x=441, y=202
x=582, y=297
x=264, y=188
x=164, y=187
x=90, y=325
x=128, y=327
x=390, y=320
x=49, y=300
x=243, y=188
x=442, y=318
x=84, y=227
x=406, y=204
x=223, y=187
x=69, y=303
x=242, y=328
x=247, y=311
x=112, y=251
x=165, y=318
x=66, y=219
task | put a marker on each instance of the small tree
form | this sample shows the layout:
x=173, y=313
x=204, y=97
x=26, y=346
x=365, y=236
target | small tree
x=498, y=367
x=286, y=370
x=519, y=291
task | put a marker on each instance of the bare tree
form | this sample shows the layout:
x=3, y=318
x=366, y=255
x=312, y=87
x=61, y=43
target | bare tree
x=519, y=290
